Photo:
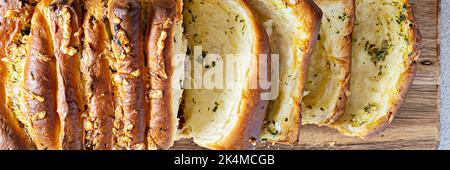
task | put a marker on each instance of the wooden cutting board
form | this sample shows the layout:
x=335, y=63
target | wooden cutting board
x=416, y=126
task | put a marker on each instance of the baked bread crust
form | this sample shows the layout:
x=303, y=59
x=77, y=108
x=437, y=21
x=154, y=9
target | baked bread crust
x=161, y=41
x=97, y=77
x=246, y=126
x=14, y=15
x=402, y=85
x=312, y=14
x=83, y=91
x=40, y=86
x=64, y=119
x=309, y=15
x=252, y=110
x=339, y=65
x=12, y=134
x=415, y=38
x=65, y=19
x=131, y=121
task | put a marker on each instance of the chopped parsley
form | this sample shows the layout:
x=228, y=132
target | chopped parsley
x=378, y=54
x=369, y=108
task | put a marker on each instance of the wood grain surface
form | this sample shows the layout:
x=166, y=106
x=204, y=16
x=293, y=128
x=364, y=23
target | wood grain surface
x=416, y=126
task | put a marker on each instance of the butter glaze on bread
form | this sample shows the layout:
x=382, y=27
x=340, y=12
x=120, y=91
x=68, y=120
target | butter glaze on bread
x=65, y=20
x=12, y=136
x=98, y=94
x=40, y=86
x=81, y=79
x=131, y=122
x=164, y=45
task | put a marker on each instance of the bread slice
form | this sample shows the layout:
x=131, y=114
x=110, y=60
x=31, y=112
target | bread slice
x=223, y=117
x=327, y=84
x=385, y=50
x=165, y=50
x=294, y=26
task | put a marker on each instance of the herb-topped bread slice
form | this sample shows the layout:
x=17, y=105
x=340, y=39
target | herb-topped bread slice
x=328, y=79
x=293, y=26
x=385, y=51
x=222, y=117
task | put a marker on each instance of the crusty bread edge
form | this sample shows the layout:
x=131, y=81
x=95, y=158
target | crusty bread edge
x=96, y=71
x=12, y=136
x=252, y=108
x=407, y=78
x=346, y=65
x=291, y=136
x=136, y=111
x=162, y=128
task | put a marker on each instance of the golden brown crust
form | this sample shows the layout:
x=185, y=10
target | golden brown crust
x=40, y=86
x=98, y=87
x=252, y=110
x=311, y=15
x=12, y=136
x=132, y=118
x=65, y=25
x=415, y=39
x=43, y=69
x=161, y=31
x=402, y=84
x=345, y=63
x=14, y=14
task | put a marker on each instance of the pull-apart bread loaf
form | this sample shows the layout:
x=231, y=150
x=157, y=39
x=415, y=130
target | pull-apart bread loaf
x=385, y=51
x=223, y=118
x=97, y=74
x=293, y=27
x=328, y=80
x=147, y=84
